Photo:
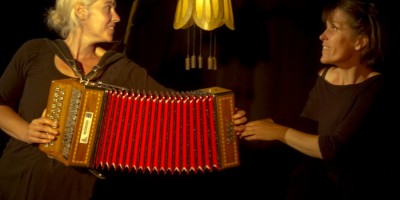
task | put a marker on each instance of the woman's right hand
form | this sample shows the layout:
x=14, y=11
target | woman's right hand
x=263, y=129
x=41, y=130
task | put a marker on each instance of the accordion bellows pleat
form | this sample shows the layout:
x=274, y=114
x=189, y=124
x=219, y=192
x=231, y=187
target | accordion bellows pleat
x=109, y=128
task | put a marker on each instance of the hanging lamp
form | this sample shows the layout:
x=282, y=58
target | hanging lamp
x=199, y=15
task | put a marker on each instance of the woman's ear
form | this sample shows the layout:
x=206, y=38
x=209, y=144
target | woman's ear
x=361, y=42
x=81, y=12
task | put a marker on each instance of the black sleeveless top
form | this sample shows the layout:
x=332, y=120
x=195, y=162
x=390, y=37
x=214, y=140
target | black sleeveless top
x=348, y=118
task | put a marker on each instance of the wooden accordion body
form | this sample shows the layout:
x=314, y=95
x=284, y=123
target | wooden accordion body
x=104, y=127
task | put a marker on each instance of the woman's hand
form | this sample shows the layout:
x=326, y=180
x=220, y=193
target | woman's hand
x=264, y=129
x=239, y=120
x=41, y=130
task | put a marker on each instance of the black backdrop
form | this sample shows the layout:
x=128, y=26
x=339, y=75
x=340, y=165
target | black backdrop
x=269, y=61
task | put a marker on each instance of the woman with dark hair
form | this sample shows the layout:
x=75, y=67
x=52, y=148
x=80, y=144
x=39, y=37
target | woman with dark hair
x=345, y=105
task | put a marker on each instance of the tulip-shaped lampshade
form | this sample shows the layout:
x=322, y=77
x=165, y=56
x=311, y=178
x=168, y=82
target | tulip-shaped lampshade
x=207, y=15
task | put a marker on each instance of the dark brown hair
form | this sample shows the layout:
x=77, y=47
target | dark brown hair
x=364, y=21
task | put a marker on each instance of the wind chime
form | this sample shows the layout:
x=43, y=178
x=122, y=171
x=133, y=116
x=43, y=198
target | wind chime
x=199, y=15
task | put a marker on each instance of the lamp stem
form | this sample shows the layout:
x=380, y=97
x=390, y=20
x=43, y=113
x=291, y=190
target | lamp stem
x=210, y=60
x=200, y=58
x=193, y=58
x=215, y=53
x=187, y=59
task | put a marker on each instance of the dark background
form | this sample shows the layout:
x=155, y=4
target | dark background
x=269, y=61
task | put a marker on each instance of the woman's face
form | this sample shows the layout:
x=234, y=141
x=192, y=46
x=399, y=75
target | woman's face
x=100, y=23
x=340, y=45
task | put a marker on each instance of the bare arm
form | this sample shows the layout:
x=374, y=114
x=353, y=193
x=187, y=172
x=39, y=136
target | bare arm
x=38, y=131
x=267, y=130
x=303, y=142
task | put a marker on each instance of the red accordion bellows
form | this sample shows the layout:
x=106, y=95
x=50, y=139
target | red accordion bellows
x=104, y=127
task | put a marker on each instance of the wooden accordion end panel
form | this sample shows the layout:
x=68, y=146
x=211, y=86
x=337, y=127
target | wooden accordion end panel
x=105, y=127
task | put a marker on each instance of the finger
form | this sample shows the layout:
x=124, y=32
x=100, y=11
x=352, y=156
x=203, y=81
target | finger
x=44, y=113
x=239, y=114
x=40, y=128
x=246, y=137
x=39, y=137
x=41, y=140
x=240, y=121
x=44, y=121
x=239, y=128
x=245, y=134
x=45, y=136
x=250, y=137
x=269, y=120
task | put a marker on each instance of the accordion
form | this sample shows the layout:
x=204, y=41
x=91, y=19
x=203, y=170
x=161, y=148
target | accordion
x=106, y=127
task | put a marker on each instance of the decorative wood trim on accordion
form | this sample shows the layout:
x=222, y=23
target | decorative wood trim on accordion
x=104, y=127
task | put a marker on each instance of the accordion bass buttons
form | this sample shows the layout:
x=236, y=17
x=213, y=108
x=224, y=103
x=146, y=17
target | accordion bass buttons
x=54, y=112
x=230, y=135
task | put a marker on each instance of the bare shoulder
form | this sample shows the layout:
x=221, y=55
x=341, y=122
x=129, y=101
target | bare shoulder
x=100, y=51
x=321, y=71
x=373, y=73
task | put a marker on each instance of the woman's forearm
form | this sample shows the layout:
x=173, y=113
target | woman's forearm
x=303, y=142
x=11, y=123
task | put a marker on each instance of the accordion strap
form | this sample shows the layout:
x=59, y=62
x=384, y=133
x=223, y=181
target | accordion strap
x=62, y=49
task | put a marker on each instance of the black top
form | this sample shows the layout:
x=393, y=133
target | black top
x=25, y=171
x=350, y=120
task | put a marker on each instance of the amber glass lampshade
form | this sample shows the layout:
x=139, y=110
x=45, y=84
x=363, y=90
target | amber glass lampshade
x=202, y=15
x=206, y=14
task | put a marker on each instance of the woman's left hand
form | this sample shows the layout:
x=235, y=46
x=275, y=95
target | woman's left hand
x=239, y=120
